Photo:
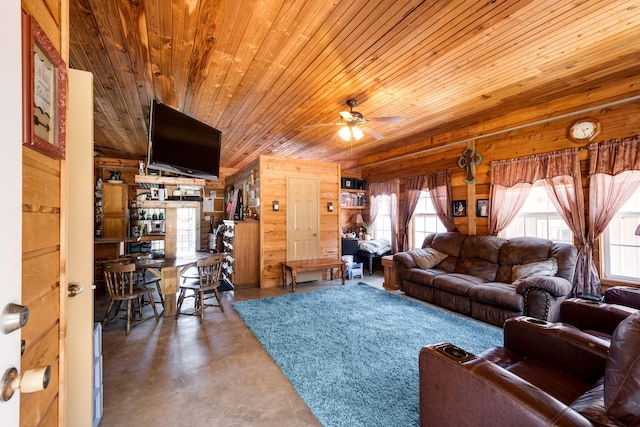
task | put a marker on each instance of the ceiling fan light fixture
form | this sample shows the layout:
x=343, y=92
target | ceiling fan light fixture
x=357, y=132
x=345, y=133
x=348, y=132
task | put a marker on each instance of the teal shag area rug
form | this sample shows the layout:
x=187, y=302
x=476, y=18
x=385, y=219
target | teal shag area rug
x=351, y=352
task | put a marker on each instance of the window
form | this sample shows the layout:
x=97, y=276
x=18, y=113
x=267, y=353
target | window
x=621, y=245
x=188, y=230
x=382, y=228
x=424, y=221
x=538, y=217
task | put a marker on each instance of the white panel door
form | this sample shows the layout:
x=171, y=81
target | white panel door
x=80, y=248
x=303, y=221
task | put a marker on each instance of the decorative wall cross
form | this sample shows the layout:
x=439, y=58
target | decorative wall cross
x=467, y=161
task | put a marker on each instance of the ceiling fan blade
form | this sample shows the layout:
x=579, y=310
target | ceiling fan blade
x=346, y=116
x=372, y=133
x=386, y=119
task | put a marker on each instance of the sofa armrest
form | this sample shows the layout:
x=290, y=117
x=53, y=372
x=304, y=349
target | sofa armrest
x=554, y=285
x=563, y=346
x=458, y=390
x=404, y=260
x=593, y=316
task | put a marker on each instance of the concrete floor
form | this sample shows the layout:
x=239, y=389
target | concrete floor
x=181, y=373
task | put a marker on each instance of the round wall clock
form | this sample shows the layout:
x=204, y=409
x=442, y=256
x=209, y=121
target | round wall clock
x=583, y=130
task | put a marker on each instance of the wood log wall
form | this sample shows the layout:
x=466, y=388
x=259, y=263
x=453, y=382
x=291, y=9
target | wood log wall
x=522, y=133
x=44, y=252
x=272, y=173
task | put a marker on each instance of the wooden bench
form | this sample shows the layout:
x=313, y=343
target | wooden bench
x=311, y=265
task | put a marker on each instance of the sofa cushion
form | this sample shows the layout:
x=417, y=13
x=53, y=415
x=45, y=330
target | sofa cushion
x=422, y=277
x=448, y=265
x=521, y=272
x=622, y=376
x=449, y=243
x=591, y=406
x=483, y=247
x=520, y=251
x=497, y=294
x=426, y=243
x=566, y=255
x=477, y=267
x=427, y=257
x=557, y=382
x=455, y=283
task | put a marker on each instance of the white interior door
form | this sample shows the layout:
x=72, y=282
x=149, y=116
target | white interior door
x=11, y=179
x=80, y=188
x=303, y=221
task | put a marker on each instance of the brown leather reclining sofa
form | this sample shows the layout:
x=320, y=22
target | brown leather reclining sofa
x=546, y=374
x=487, y=277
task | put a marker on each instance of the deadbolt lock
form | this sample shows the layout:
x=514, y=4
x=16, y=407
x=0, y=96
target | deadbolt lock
x=14, y=316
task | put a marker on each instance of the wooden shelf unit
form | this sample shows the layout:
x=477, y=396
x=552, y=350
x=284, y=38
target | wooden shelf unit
x=170, y=206
x=246, y=251
x=240, y=241
x=353, y=199
x=149, y=181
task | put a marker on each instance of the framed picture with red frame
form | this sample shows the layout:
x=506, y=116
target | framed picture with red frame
x=44, y=91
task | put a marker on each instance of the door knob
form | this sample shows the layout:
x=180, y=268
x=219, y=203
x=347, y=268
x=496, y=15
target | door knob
x=74, y=289
x=32, y=380
x=14, y=316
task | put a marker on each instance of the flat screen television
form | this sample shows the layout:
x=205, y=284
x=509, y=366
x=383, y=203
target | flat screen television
x=181, y=144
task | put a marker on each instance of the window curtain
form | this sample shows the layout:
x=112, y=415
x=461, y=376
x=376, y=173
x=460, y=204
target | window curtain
x=511, y=182
x=614, y=175
x=439, y=186
x=377, y=190
x=414, y=187
x=560, y=174
x=440, y=192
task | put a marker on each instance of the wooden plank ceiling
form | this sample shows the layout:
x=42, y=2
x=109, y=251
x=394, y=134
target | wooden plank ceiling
x=267, y=72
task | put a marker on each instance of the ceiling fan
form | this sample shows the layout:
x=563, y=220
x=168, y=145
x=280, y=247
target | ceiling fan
x=354, y=124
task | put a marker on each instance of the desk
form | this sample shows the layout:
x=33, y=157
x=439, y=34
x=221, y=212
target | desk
x=311, y=265
x=369, y=256
x=169, y=270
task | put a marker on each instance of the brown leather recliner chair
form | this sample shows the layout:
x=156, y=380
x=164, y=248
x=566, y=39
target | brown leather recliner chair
x=596, y=318
x=547, y=374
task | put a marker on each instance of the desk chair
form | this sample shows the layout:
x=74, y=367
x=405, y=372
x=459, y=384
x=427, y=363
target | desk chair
x=121, y=288
x=208, y=281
